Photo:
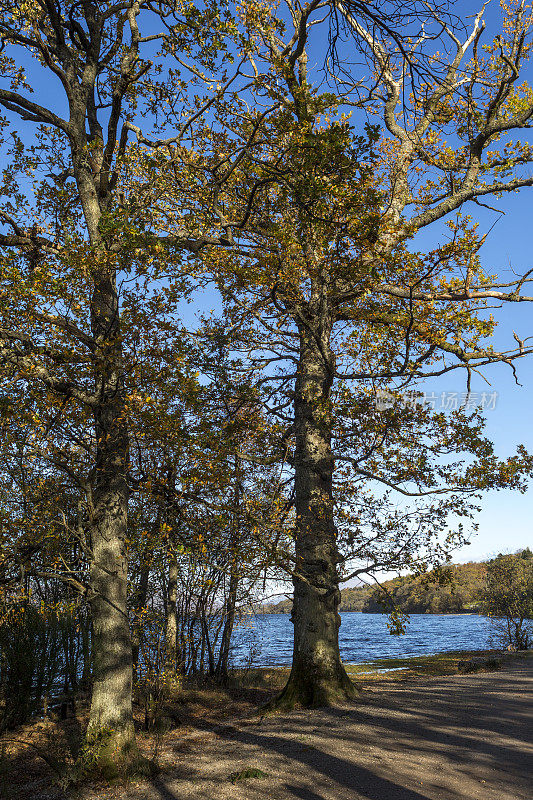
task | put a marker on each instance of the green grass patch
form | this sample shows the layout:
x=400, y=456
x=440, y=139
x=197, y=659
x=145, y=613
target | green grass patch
x=418, y=666
x=246, y=774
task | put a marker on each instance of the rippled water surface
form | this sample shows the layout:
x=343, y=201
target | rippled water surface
x=267, y=639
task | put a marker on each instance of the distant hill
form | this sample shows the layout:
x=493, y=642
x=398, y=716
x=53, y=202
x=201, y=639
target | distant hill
x=454, y=589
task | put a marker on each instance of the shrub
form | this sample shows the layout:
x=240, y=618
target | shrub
x=508, y=598
x=32, y=660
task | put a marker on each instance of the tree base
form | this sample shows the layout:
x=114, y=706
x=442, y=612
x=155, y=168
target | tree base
x=108, y=755
x=307, y=690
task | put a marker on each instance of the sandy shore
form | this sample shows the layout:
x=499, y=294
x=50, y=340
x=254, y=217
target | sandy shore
x=461, y=736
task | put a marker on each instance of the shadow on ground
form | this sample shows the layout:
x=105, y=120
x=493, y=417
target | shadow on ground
x=441, y=739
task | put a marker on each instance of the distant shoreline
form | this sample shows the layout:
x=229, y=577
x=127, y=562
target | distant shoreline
x=409, y=613
x=451, y=589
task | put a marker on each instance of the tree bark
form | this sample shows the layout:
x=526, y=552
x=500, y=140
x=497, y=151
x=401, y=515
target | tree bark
x=86, y=646
x=207, y=640
x=173, y=663
x=139, y=604
x=317, y=677
x=221, y=670
x=110, y=748
x=110, y=733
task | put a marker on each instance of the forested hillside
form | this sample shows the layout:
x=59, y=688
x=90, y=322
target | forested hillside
x=453, y=590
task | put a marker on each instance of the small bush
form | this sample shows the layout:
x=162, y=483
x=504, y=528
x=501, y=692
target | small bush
x=478, y=664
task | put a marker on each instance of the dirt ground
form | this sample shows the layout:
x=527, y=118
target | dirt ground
x=461, y=736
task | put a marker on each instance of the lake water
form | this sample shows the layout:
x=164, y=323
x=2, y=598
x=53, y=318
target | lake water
x=267, y=639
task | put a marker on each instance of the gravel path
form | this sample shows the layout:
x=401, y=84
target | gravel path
x=464, y=736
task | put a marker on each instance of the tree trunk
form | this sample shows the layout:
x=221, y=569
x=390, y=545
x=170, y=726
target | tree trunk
x=172, y=656
x=318, y=676
x=221, y=670
x=86, y=647
x=207, y=640
x=110, y=748
x=110, y=733
x=139, y=604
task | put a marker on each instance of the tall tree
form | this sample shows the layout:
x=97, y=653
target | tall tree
x=86, y=76
x=328, y=246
